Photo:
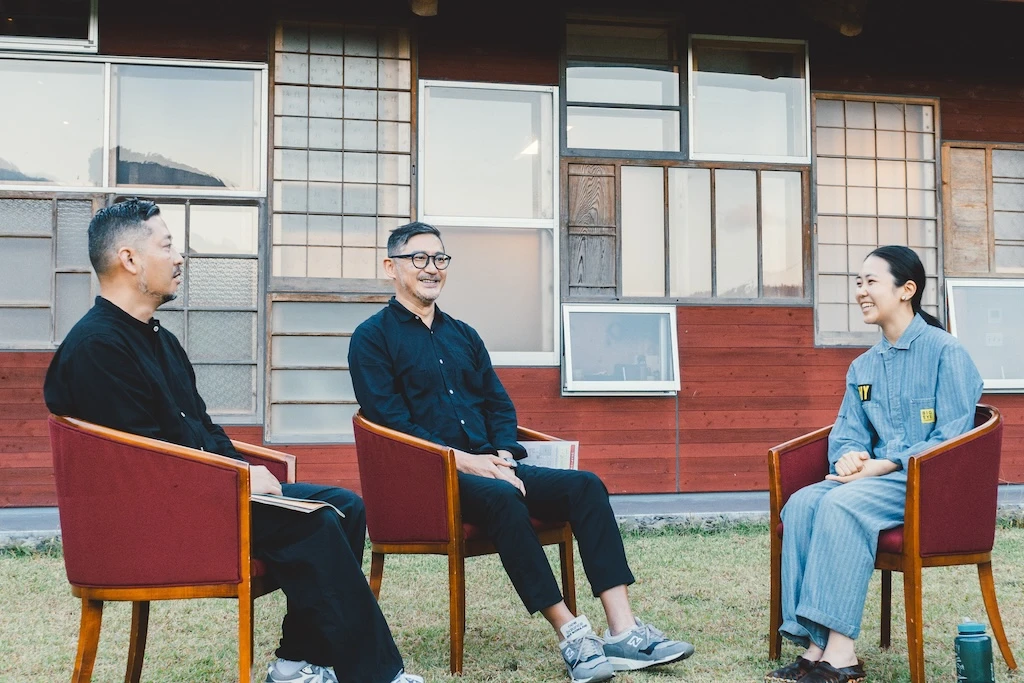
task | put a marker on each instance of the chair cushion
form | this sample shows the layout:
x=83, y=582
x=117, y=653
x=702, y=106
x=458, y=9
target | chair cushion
x=258, y=568
x=473, y=532
x=889, y=541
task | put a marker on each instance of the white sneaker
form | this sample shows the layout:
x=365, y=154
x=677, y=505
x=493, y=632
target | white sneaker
x=403, y=677
x=288, y=671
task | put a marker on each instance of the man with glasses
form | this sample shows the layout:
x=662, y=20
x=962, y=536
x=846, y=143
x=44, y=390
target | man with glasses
x=417, y=370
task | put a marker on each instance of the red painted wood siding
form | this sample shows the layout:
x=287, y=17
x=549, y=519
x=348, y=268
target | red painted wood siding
x=751, y=378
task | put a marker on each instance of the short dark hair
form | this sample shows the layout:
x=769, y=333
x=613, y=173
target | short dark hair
x=110, y=227
x=403, y=233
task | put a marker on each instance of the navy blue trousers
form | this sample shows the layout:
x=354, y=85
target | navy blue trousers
x=333, y=618
x=579, y=498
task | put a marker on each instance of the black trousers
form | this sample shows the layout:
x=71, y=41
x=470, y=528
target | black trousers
x=333, y=618
x=555, y=495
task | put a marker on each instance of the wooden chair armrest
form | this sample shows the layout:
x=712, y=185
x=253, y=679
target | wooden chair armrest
x=281, y=465
x=795, y=464
x=524, y=434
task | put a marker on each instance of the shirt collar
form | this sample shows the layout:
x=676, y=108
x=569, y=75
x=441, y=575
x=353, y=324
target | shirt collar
x=913, y=331
x=405, y=315
x=111, y=309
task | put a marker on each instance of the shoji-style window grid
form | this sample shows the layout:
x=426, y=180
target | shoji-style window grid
x=216, y=313
x=343, y=149
x=876, y=180
x=45, y=278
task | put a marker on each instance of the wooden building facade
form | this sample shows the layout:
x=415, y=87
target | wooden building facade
x=620, y=158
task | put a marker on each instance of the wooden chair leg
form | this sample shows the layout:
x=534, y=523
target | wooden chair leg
x=775, y=600
x=137, y=644
x=568, y=573
x=88, y=640
x=885, y=628
x=457, y=608
x=988, y=594
x=376, y=573
x=245, y=645
x=915, y=625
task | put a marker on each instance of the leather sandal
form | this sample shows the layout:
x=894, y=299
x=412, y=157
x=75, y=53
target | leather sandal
x=791, y=673
x=826, y=673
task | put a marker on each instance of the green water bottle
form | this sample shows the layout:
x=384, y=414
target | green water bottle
x=973, y=654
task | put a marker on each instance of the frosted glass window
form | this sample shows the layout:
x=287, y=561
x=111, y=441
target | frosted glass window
x=74, y=298
x=319, y=318
x=27, y=270
x=690, y=231
x=221, y=336
x=885, y=194
x=643, y=231
x=620, y=349
x=749, y=100
x=227, y=389
x=223, y=229
x=312, y=423
x=47, y=139
x=187, y=126
x=312, y=385
x=488, y=152
x=25, y=326
x=622, y=85
x=482, y=272
x=626, y=129
x=221, y=282
x=289, y=352
x=987, y=316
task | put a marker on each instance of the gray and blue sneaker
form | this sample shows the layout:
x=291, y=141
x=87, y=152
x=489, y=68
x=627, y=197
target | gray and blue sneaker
x=583, y=653
x=287, y=671
x=643, y=646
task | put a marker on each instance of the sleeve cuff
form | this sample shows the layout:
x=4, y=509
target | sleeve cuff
x=515, y=448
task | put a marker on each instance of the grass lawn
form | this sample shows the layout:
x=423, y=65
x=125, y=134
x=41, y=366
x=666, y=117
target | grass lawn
x=709, y=588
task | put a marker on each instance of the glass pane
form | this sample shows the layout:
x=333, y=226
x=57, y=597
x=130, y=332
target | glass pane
x=921, y=203
x=312, y=385
x=27, y=270
x=325, y=230
x=488, y=153
x=361, y=231
x=221, y=282
x=393, y=168
x=476, y=279
x=289, y=261
x=921, y=175
x=187, y=126
x=394, y=43
x=323, y=262
x=990, y=324
x=620, y=346
x=291, y=164
x=860, y=172
x=831, y=171
x=829, y=113
x=326, y=134
x=325, y=197
x=860, y=143
x=290, y=228
x=291, y=68
x=359, y=263
x=26, y=217
x=833, y=318
x=833, y=288
x=889, y=115
x=360, y=72
x=309, y=351
x=1007, y=196
x=891, y=145
x=227, y=389
x=394, y=74
x=860, y=115
x=223, y=229
x=325, y=70
x=863, y=230
x=689, y=216
x=831, y=141
x=394, y=137
x=921, y=233
x=749, y=100
x=643, y=231
x=325, y=166
x=736, y=233
x=394, y=106
x=174, y=218
x=312, y=422
x=25, y=326
x=920, y=146
x=782, y=234
x=73, y=233
x=861, y=200
x=221, y=336
x=360, y=41
x=893, y=174
x=1007, y=163
x=326, y=40
x=62, y=20
x=74, y=298
x=292, y=37
x=360, y=104
x=622, y=85
x=360, y=135
x=892, y=202
x=173, y=322
x=52, y=132
x=631, y=42
x=633, y=129
x=325, y=318
x=360, y=198
x=291, y=100
x=831, y=199
x=1009, y=226
x=290, y=131
x=1009, y=258
x=393, y=200
x=326, y=102
x=920, y=117
x=832, y=258
x=892, y=231
x=831, y=230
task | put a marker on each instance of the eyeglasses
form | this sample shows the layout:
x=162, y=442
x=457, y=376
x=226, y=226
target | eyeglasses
x=420, y=259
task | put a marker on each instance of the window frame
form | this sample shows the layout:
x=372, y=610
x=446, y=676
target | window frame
x=839, y=339
x=992, y=385
x=502, y=358
x=571, y=387
x=749, y=158
x=805, y=301
x=110, y=187
x=88, y=45
x=947, y=189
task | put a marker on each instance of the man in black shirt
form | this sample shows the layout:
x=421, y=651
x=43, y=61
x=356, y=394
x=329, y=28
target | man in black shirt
x=422, y=372
x=120, y=368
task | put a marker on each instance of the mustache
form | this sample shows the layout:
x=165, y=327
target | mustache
x=178, y=271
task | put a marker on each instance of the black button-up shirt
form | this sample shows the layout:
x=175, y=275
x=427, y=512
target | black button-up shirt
x=120, y=372
x=436, y=382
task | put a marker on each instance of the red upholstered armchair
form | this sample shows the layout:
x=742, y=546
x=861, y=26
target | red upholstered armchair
x=411, y=491
x=949, y=520
x=143, y=520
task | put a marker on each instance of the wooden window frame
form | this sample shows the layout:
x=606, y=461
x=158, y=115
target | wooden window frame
x=947, y=219
x=567, y=230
